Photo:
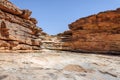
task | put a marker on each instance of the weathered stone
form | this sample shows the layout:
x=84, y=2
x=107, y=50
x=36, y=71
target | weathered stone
x=26, y=14
x=7, y=6
x=22, y=47
x=74, y=68
x=4, y=44
x=18, y=31
x=33, y=20
x=95, y=33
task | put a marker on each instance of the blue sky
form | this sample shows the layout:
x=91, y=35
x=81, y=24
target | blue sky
x=54, y=15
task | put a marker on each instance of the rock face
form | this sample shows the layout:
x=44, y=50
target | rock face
x=95, y=33
x=18, y=30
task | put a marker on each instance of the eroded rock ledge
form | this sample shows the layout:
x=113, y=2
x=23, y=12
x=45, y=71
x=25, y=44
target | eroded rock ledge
x=18, y=31
x=95, y=33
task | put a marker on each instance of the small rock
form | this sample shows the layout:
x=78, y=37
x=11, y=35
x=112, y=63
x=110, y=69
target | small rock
x=76, y=68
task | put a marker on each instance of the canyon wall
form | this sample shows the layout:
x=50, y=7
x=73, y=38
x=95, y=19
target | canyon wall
x=18, y=31
x=95, y=33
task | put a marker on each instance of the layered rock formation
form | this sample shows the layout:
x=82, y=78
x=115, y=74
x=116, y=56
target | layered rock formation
x=95, y=33
x=18, y=30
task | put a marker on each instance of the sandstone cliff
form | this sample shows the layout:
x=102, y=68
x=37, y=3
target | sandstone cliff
x=95, y=33
x=18, y=30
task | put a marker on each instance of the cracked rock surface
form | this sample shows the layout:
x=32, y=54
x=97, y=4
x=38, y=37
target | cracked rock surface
x=58, y=65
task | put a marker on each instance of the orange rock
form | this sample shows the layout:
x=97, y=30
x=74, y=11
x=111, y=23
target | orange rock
x=95, y=33
x=18, y=31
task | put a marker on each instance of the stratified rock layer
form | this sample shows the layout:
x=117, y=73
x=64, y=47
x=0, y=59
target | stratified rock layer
x=18, y=30
x=95, y=33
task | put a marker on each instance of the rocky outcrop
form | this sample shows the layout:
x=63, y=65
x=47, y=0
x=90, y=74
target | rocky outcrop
x=18, y=30
x=95, y=33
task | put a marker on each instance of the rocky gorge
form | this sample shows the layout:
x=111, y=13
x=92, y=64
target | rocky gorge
x=28, y=53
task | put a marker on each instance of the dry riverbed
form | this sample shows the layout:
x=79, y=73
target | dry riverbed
x=58, y=65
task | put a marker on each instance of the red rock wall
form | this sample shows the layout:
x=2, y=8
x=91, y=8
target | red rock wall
x=18, y=30
x=95, y=33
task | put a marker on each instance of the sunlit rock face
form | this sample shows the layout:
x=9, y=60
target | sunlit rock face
x=95, y=33
x=18, y=30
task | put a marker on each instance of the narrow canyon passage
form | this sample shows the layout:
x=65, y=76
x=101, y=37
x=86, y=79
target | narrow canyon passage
x=28, y=53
